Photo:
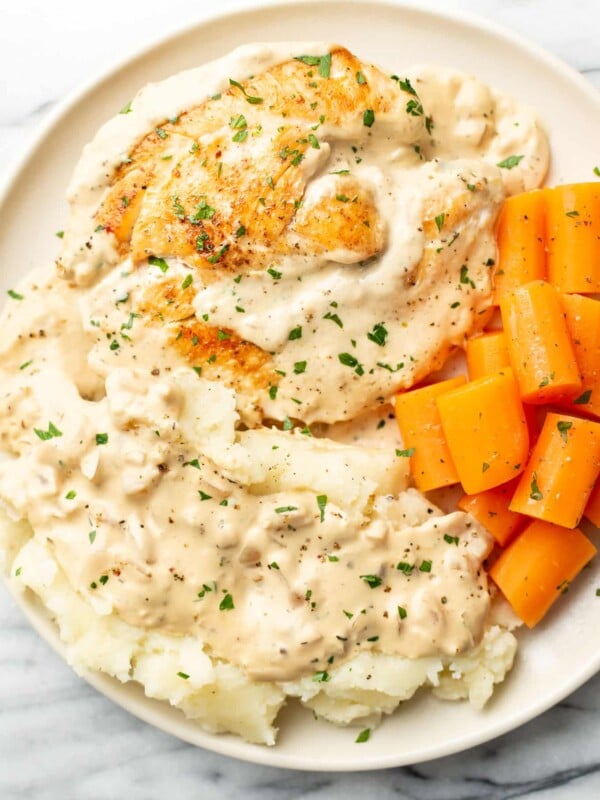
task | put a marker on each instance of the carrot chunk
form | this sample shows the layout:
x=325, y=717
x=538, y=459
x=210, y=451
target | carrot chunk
x=486, y=430
x=592, y=509
x=537, y=567
x=540, y=348
x=486, y=354
x=491, y=509
x=421, y=430
x=583, y=321
x=561, y=471
x=573, y=237
x=521, y=238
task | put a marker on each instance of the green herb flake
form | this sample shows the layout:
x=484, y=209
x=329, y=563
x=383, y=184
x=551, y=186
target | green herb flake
x=26, y=364
x=321, y=677
x=71, y=495
x=300, y=367
x=372, y=581
x=273, y=565
x=405, y=567
x=240, y=136
x=295, y=333
x=238, y=122
x=332, y=558
x=406, y=453
x=287, y=424
x=273, y=391
x=126, y=108
x=193, y=463
x=285, y=509
x=18, y=571
x=92, y=536
x=450, y=539
x=439, y=221
x=368, y=117
x=101, y=438
x=464, y=276
x=314, y=142
x=425, y=566
x=154, y=261
x=219, y=255
x=402, y=612
x=535, y=493
x=274, y=274
x=103, y=579
x=226, y=603
x=510, y=162
x=379, y=334
x=51, y=433
x=583, y=399
x=183, y=675
x=322, y=505
x=360, y=78
x=485, y=466
x=60, y=234
x=187, y=281
x=363, y=736
x=14, y=295
x=204, y=496
x=572, y=213
x=249, y=98
x=563, y=427
x=322, y=62
x=334, y=318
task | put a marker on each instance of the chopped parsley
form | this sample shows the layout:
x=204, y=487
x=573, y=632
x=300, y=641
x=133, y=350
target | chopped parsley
x=126, y=108
x=535, y=493
x=71, y=495
x=92, y=536
x=450, y=539
x=322, y=505
x=161, y=133
x=322, y=62
x=178, y=209
x=402, y=612
x=406, y=453
x=313, y=141
x=368, y=117
x=204, y=496
x=373, y=581
x=60, y=234
x=273, y=391
x=321, y=677
x=193, y=463
x=572, y=213
x=439, y=221
x=405, y=567
x=348, y=360
x=241, y=231
x=360, y=78
x=295, y=333
x=332, y=558
x=226, y=603
x=464, y=276
x=425, y=566
x=583, y=399
x=274, y=273
x=249, y=98
x=183, y=675
x=240, y=136
x=363, y=736
x=101, y=438
x=218, y=256
x=26, y=364
x=187, y=281
x=14, y=295
x=510, y=162
x=300, y=367
x=103, y=579
x=378, y=334
x=51, y=433
x=285, y=510
x=334, y=318
x=204, y=211
x=563, y=427
x=238, y=122
x=154, y=261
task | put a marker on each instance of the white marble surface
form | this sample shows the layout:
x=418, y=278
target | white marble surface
x=59, y=739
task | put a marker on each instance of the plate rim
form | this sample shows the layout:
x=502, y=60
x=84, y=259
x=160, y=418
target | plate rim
x=32, y=608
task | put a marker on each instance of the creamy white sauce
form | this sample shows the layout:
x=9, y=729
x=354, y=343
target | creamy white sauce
x=180, y=523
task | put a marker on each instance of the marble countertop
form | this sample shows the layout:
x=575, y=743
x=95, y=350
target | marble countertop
x=60, y=739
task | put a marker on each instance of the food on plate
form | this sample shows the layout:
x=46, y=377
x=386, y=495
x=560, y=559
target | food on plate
x=201, y=481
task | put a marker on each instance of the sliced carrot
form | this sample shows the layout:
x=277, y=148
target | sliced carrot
x=421, y=430
x=583, y=321
x=521, y=238
x=538, y=566
x=561, y=471
x=592, y=509
x=491, y=509
x=573, y=237
x=486, y=354
x=540, y=348
x=486, y=430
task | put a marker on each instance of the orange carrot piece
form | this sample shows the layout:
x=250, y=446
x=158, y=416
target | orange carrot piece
x=491, y=509
x=486, y=430
x=521, y=238
x=573, y=237
x=486, y=354
x=583, y=321
x=540, y=348
x=592, y=509
x=538, y=566
x=420, y=427
x=561, y=471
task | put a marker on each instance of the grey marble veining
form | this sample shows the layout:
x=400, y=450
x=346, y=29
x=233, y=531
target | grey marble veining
x=60, y=739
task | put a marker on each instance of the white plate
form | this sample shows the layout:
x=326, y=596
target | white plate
x=563, y=652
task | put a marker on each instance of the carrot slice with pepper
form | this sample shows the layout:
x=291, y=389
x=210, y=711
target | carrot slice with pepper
x=573, y=237
x=521, y=238
x=561, y=471
x=491, y=509
x=419, y=422
x=583, y=321
x=486, y=354
x=538, y=566
x=486, y=430
x=540, y=348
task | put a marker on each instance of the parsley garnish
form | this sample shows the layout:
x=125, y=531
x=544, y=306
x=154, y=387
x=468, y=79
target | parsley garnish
x=274, y=273
x=334, y=318
x=226, y=603
x=510, y=162
x=348, y=360
x=439, y=221
x=285, y=509
x=360, y=78
x=535, y=493
x=373, y=581
x=183, y=675
x=204, y=496
x=321, y=677
x=193, y=463
x=187, y=281
x=368, y=117
x=71, y=495
x=322, y=62
x=300, y=367
x=425, y=566
x=14, y=295
x=295, y=333
x=402, y=612
x=464, y=276
x=158, y=262
x=92, y=536
x=218, y=256
x=563, y=427
x=322, y=505
x=126, y=108
x=249, y=98
x=583, y=399
x=405, y=567
x=178, y=209
x=406, y=453
x=378, y=334
x=450, y=539
x=51, y=433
